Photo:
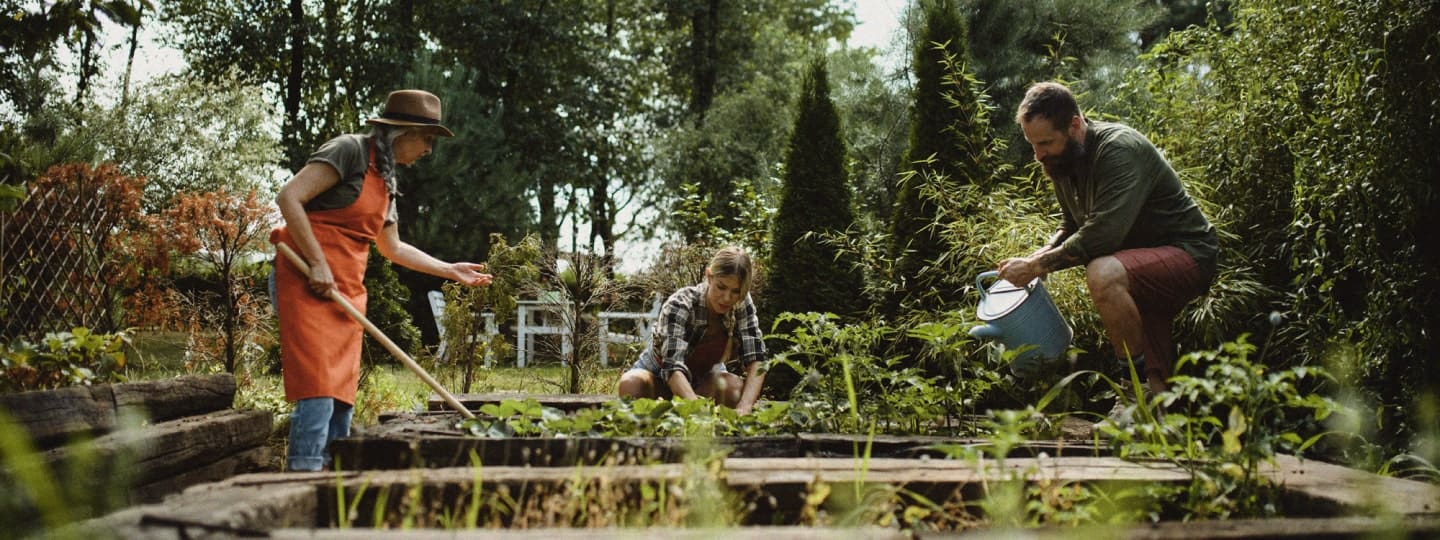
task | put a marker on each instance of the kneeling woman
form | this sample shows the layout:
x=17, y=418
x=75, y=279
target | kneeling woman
x=701, y=327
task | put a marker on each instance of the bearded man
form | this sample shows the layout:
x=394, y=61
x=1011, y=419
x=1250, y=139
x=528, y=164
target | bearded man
x=1146, y=247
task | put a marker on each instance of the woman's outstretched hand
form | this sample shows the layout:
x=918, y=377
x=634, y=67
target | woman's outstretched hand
x=471, y=274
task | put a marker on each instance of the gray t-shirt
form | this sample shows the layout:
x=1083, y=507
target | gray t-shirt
x=350, y=157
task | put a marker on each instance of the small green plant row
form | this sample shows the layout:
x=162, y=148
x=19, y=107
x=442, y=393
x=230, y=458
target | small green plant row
x=77, y=357
x=634, y=418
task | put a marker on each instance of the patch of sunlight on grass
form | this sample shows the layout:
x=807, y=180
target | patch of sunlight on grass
x=157, y=353
x=544, y=379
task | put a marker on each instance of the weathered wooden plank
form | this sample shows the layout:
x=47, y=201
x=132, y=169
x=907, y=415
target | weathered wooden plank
x=53, y=417
x=244, y=461
x=1345, y=487
x=168, y=399
x=1357, y=527
x=917, y=446
x=427, y=441
x=902, y=471
x=656, y=533
x=564, y=402
x=151, y=453
x=236, y=509
x=388, y=453
x=747, y=472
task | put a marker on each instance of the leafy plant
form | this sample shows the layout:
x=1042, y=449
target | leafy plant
x=1313, y=115
x=514, y=267
x=837, y=360
x=511, y=418
x=77, y=357
x=1224, y=424
x=635, y=418
x=219, y=229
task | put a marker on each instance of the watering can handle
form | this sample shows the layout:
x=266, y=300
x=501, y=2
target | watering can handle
x=980, y=281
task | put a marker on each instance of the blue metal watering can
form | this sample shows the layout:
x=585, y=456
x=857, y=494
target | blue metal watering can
x=1021, y=317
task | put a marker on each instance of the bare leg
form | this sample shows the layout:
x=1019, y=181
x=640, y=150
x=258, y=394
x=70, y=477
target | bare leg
x=723, y=387
x=638, y=383
x=1110, y=290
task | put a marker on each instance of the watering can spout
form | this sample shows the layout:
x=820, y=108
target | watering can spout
x=986, y=331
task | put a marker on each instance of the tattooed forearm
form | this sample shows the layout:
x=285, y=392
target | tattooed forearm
x=1056, y=259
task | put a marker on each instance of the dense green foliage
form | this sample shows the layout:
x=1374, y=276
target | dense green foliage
x=325, y=65
x=1077, y=40
x=808, y=274
x=933, y=154
x=385, y=307
x=77, y=357
x=1313, y=124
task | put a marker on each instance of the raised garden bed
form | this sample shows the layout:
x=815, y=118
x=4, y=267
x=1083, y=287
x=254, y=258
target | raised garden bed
x=416, y=470
x=773, y=492
x=431, y=440
x=141, y=441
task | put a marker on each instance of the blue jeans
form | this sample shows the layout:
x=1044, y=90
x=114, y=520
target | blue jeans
x=314, y=423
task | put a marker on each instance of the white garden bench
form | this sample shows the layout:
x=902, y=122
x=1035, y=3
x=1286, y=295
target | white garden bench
x=644, y=325
x=437, y=308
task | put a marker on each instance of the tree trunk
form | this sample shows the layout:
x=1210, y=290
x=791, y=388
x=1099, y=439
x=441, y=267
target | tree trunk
x=600, y=223
x=294, y=81
x=704, y=32
x=330, y=55
x=231, y=314
x=130, y=59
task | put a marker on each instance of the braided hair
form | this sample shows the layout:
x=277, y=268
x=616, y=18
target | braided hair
x=384, y=137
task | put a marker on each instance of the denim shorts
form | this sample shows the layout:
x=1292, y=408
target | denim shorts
x=647, y=362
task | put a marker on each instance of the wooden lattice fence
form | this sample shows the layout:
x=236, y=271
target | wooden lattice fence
x=59, y=252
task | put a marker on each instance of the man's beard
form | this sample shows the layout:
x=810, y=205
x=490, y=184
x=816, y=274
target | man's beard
x=1065, y=163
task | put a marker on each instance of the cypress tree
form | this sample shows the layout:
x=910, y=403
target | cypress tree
x=806, y=274
x=934, y=154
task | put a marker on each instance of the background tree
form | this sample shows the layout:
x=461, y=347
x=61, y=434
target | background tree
x=189, y=136
x=806, y=273
x=874, y=103
x=533, y=65
x=933, y=154
x=28, y=41
x=1015, y=44
x=328, y=62
x=728, y=60
x=221, y=229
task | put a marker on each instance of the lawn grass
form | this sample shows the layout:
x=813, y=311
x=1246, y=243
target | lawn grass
x=385, y=388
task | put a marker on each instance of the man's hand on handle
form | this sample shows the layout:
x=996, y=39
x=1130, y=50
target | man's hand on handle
x=1020, y=271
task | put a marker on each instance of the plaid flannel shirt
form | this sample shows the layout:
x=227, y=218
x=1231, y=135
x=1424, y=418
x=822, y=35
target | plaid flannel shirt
x=682, y=323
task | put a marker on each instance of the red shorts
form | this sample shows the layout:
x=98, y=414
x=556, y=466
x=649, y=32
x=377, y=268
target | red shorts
x=1162, y=280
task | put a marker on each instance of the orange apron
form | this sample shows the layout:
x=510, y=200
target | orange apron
x=319, y=343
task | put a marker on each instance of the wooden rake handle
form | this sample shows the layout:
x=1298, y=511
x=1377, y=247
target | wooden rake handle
x=378, y=335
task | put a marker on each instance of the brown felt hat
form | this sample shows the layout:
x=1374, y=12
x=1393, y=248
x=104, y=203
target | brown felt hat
x=412, y=108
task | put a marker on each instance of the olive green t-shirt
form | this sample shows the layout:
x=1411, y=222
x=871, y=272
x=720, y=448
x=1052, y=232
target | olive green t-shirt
x=349, y=155
x=1125, y=195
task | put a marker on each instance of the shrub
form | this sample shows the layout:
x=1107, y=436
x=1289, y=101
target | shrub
x=77, y=357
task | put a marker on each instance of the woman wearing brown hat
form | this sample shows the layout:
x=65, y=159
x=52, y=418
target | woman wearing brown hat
x=340, y=202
